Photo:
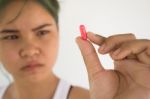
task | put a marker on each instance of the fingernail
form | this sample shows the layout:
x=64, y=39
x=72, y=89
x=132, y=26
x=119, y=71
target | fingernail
x=90, y=33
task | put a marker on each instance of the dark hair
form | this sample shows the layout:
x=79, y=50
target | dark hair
x=51, y=5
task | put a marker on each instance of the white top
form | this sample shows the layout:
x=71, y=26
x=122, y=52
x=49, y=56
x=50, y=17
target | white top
x=2, y=90
x=62, y=90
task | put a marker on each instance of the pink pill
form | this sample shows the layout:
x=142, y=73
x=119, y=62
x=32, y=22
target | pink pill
x=83, y=32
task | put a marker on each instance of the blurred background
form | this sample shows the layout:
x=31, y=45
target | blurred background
x=103, y=17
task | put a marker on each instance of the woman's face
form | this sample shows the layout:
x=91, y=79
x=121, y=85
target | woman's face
x=28, y=44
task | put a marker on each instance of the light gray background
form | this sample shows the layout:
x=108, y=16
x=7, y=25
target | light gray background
x=104, y=17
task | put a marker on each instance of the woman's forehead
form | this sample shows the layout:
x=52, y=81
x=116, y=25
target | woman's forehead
x=28, y=12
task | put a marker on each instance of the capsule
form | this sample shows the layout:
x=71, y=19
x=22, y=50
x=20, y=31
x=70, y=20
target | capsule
x=83, y=32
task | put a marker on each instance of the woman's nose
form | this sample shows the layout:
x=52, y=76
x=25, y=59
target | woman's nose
x=29, y=50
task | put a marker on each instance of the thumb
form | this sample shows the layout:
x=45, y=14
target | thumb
x=90, y=58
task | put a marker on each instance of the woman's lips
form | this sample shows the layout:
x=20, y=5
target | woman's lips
x=31, y=66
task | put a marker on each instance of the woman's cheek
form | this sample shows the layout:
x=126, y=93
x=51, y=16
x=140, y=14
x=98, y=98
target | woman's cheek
x=9, y=55
x=51, y=50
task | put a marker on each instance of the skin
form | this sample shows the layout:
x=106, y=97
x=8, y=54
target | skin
x=130, y=77
x=32, y=39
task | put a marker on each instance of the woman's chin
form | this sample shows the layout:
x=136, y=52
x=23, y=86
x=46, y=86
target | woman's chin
x=36, y=78
x=35, y=75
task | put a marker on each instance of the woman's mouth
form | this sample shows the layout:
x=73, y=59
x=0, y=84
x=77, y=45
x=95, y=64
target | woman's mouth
x=31, y=66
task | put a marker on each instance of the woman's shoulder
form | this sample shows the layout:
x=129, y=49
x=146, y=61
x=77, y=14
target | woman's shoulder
x=79, y=93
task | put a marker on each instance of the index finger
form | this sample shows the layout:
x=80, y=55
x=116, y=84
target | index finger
x=95, y=38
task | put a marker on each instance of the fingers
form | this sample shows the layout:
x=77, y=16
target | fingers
x=111, y=43
x=125, y=44
x=90, y=57
x=135, y=47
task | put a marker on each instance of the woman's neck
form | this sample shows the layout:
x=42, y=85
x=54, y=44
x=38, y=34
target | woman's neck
x=44, y=89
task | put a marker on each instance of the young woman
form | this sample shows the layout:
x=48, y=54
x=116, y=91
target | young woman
x=29, y=39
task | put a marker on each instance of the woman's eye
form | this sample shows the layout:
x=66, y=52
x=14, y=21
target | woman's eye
x=42, y=33
x=10, y=37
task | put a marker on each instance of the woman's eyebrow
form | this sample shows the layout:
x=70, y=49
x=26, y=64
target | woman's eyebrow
x=9, y=31
x=16, y=31
x=41, y=26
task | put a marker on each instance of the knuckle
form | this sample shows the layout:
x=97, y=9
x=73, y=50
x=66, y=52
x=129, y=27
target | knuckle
x=111, y=39
x=132, y=35
x=126, y=45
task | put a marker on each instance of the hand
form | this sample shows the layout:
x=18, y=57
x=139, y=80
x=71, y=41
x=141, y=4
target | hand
x=129, y=79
